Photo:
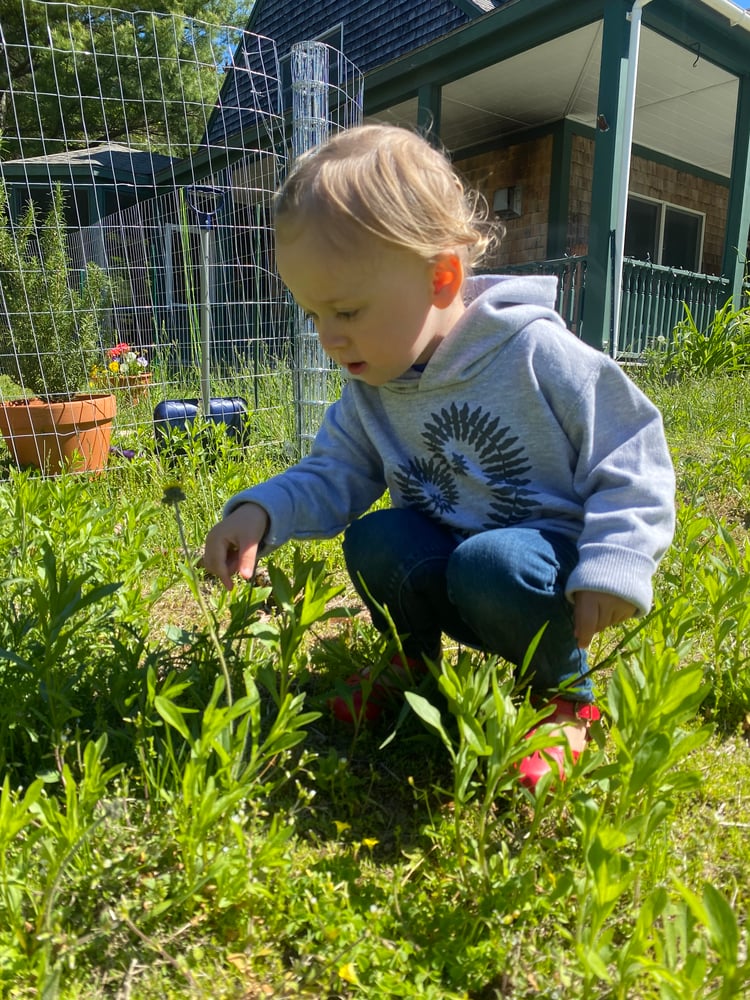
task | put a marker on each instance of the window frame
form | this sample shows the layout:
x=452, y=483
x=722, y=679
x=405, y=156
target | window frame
x=663, y=205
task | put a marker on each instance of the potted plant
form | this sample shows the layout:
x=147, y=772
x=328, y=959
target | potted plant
x=49, y=340
x=125, y=369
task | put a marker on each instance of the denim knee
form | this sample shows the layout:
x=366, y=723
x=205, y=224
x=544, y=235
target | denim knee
x=396, y=559
x=508, y=584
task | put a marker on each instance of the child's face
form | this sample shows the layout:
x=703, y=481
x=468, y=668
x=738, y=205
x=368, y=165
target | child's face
x=377, y=311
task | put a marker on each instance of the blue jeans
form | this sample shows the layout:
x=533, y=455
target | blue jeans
x=492, y=591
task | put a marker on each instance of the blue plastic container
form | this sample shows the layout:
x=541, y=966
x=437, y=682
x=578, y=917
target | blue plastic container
x=177, y=414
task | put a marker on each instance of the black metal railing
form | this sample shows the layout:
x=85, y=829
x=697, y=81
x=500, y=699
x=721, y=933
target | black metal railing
x=571, y=284
x=653, y=299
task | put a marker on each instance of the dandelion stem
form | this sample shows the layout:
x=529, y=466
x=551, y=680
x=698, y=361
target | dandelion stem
x=172, y=496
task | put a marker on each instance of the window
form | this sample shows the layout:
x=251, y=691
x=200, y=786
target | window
x=75, y=202
x=664, y=234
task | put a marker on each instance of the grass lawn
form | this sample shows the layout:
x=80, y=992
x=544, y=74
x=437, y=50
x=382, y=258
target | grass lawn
x=181, y=817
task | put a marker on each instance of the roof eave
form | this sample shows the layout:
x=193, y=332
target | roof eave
x=517, y=27
x=490, y=38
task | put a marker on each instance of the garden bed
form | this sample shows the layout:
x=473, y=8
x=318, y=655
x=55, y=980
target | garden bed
x=159, y=837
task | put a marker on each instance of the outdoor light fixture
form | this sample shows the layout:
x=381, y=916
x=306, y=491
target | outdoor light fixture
x=506, y=202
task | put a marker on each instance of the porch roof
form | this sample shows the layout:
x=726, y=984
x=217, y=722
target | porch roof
x=108, y=160
x=506, y=73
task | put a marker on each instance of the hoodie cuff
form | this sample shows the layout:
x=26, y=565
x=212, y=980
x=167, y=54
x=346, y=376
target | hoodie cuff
x=611, y=569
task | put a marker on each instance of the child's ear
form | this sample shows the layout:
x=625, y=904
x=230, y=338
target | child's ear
x=447, y=279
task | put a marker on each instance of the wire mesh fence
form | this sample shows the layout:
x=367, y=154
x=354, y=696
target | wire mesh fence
x=116, y=128
x=322, y=80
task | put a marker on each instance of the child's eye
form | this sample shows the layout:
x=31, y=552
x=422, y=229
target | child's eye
x=346, y=314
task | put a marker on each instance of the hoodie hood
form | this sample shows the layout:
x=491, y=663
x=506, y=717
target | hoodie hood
x=497, y=308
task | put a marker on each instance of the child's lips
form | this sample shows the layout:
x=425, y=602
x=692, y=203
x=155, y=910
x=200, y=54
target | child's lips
x=355, y=367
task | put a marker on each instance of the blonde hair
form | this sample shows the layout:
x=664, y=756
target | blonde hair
x=391, y=183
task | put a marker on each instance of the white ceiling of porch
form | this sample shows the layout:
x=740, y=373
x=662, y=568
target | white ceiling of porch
x=685, y=106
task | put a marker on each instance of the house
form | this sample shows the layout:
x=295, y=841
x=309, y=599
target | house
x=102, y=179
x=613, y=136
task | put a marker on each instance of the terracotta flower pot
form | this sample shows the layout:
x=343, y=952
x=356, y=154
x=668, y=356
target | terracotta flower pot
x=73, y=435
x=131, y=387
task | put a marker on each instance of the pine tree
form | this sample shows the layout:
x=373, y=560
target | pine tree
x=143, y=77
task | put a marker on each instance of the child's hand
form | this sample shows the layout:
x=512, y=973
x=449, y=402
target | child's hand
x=595, y=611
x=232, y=544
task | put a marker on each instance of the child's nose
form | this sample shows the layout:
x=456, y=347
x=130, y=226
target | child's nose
x=330, y=335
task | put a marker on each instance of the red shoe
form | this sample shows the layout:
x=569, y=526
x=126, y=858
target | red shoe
x=537, y=764
x=397, y=677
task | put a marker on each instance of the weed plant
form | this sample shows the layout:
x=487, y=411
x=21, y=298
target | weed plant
x=181, y=817
x=722, y=348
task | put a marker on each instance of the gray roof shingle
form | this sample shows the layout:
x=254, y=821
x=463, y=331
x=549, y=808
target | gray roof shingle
x=374, y=33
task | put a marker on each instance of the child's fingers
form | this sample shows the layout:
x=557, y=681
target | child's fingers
x=220, y=559
x=232, y=545
x=586, y=617
x=245, y=561
x=596, y=611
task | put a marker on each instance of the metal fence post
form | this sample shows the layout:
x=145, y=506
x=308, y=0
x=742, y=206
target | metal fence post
x=309, y=64
x=326, y=97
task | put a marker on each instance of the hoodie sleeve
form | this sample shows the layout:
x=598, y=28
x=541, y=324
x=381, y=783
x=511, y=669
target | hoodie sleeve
x=625, y=479
x=319, y=496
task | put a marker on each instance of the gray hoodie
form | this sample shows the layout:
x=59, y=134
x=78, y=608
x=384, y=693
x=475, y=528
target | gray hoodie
x=514, y=421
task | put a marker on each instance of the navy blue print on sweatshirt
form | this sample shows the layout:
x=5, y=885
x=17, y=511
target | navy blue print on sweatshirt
x=428, y=485
x=468, y=443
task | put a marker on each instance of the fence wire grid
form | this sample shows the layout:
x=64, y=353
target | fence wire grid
x=141, y=120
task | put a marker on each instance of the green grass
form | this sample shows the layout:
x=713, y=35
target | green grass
x=182, y=818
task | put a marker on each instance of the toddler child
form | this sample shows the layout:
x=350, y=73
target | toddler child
x=530, y=480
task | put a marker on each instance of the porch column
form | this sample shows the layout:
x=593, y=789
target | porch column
x=735, y=263
x=598, y=320
x=429, y=104
x=559, y=195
